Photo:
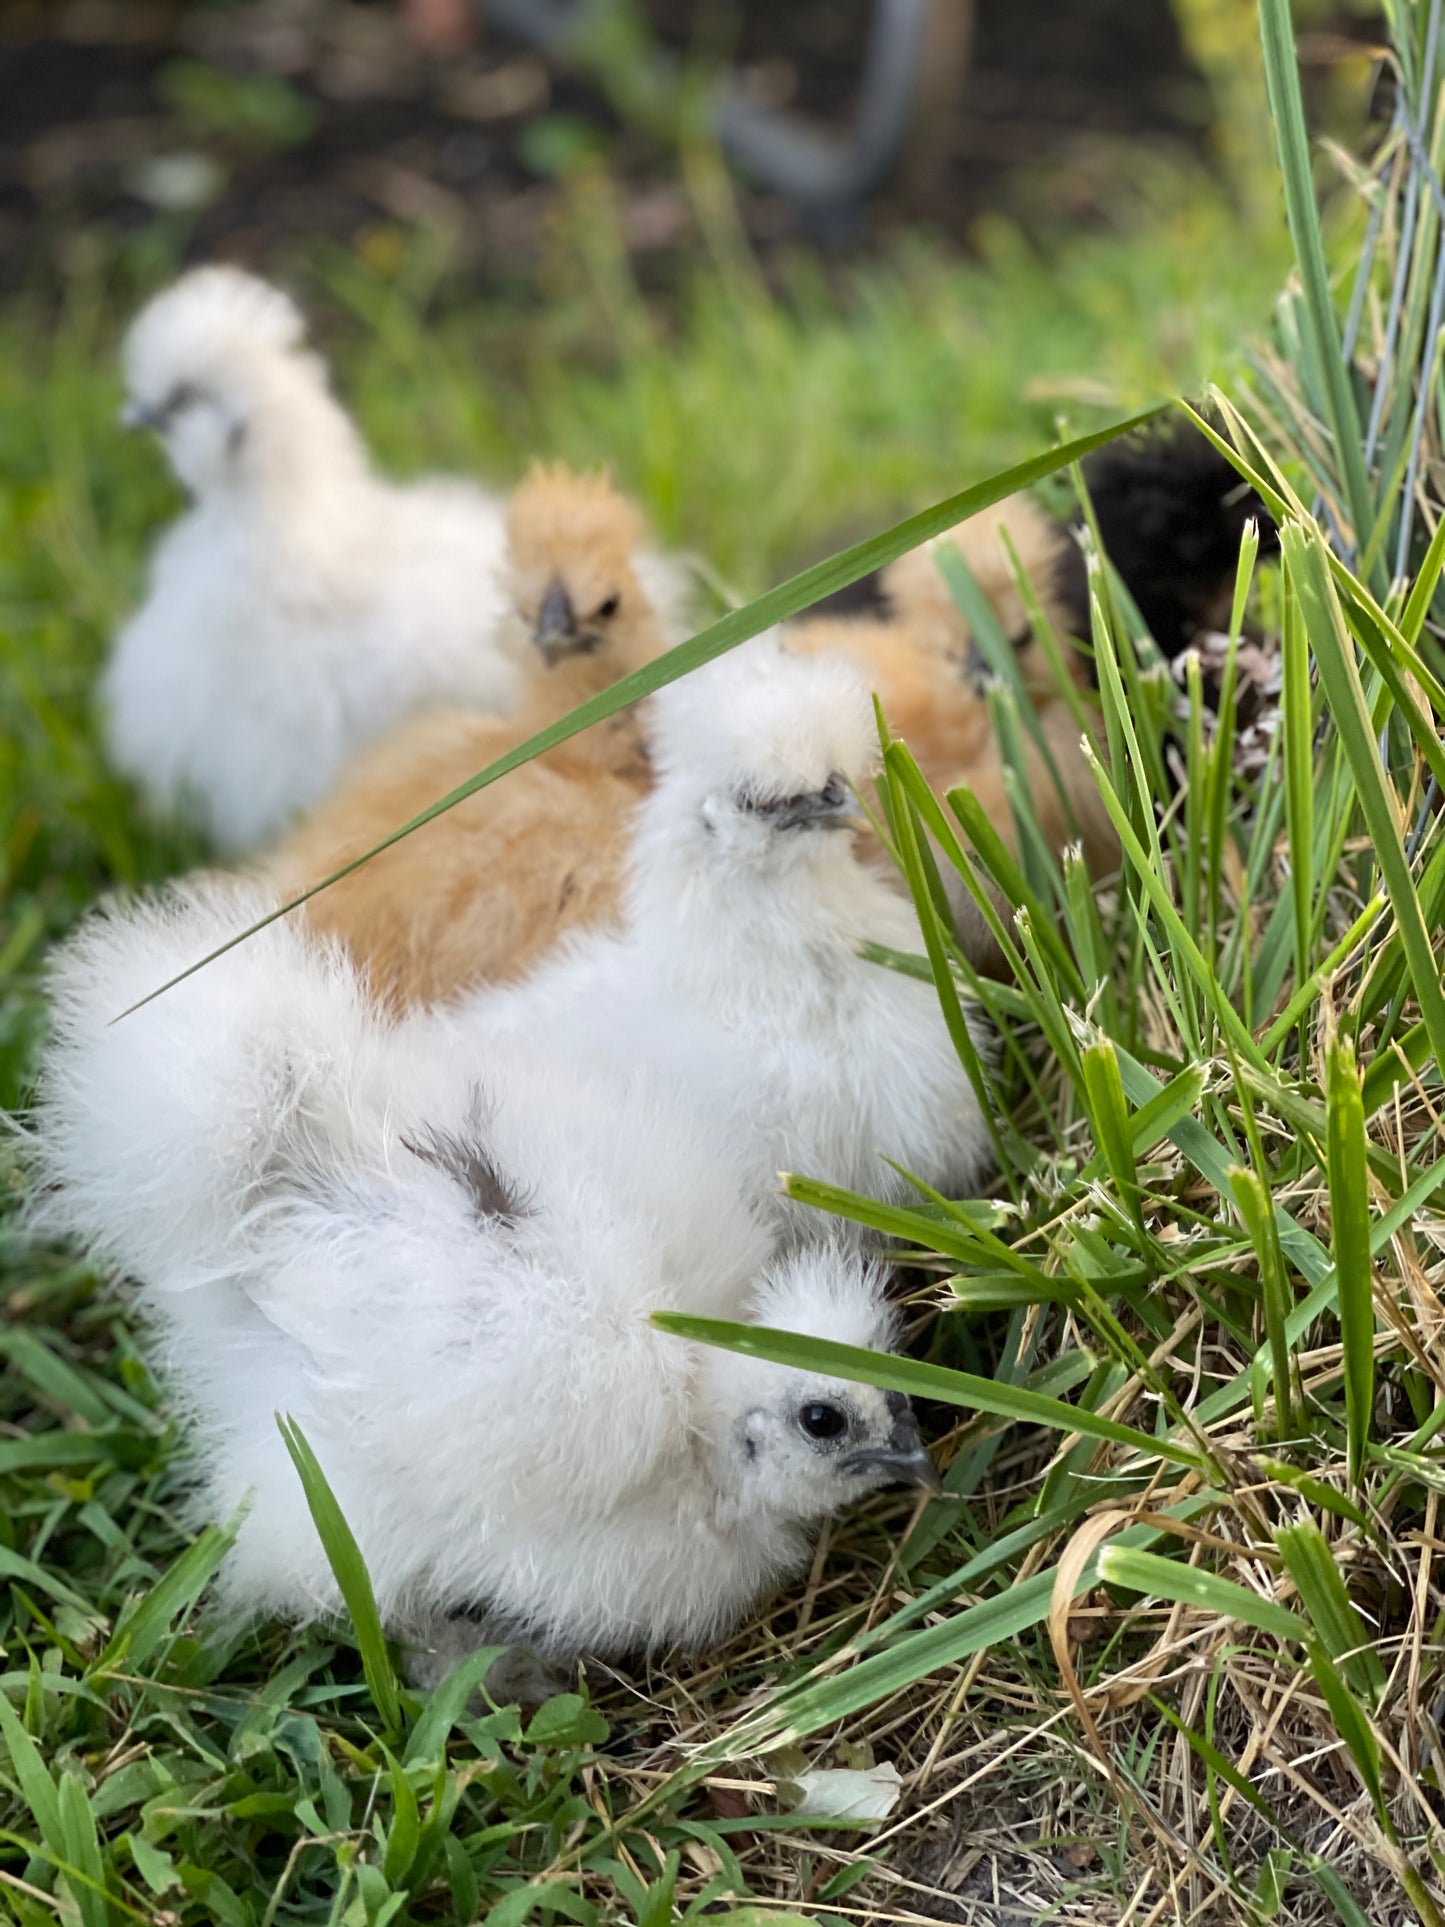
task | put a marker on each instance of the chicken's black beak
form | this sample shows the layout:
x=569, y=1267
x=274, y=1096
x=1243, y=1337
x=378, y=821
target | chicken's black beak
x=903, y=1460
x=556, y=631
x=830, y=808
x=136, y=414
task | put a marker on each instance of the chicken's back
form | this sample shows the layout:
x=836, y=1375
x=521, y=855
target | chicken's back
x=916, y=591
x=468, y=1279
x=438, y=630
x=222, y=697
x=928, y=699
x=485, y=890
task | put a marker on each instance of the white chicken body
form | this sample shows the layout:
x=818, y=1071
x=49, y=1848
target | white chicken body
x=738, y=973
x=440, y=1259
x=303, y=605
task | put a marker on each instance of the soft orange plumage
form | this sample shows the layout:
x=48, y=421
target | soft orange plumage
x=487, y=888
x=918, y=594
x=1069, y=810
x=920, y=665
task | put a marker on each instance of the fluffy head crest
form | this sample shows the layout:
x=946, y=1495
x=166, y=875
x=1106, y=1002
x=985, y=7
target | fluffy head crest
x=196, y=327
x=824, y=1290
x=766, y=724
x=558, y=513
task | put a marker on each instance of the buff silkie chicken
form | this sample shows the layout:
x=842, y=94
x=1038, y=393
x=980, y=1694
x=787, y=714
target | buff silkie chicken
x=482, y=892
x=438, y=1252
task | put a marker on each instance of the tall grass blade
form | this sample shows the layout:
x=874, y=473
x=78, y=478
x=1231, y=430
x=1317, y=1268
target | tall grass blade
x=351, y=1575
x=1354, y=1272
x=37, y=1788
x=138, y=1635
x=1109, y=1117
x=1353, y=1726
x=1147, y=1573
x=920, y=1380
x=1215, y=1761
x=1308, y=992
x=1297, y=723
x=84, y=1867
x=1256, y=1212
x=1181, y=944
x=912, y=857
x=1281, y=69
x=1322, y=1593
x=777, y=605
x=992, y=1622
x=1305, y=557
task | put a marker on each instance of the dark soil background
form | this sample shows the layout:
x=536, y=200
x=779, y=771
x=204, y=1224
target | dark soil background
x=235, y=129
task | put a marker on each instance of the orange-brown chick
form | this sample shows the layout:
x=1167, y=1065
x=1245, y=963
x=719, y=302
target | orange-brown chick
x=922, y=662
x=917, y=594
x=482, y=892
x=582, y=577
x=1069, y=809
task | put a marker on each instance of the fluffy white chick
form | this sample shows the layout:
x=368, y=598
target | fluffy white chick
x=441, y=1262
x=738, y=972
x=302, y=605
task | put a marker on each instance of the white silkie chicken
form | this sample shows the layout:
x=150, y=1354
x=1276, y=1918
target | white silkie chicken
x=738, y=972
x=302, y=605
x=440, y=1260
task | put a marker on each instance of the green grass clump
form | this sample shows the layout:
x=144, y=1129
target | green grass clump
x=1170, y=1648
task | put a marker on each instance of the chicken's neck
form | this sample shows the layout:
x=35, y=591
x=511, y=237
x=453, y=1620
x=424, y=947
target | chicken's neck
x=732, y=922
x=301, y=473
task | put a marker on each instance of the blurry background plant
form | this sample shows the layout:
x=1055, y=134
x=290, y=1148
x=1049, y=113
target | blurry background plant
x=355, y=118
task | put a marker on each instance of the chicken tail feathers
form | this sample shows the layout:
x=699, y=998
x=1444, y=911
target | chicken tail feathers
x=153, y=1136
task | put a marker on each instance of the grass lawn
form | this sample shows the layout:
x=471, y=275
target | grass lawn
x=1169, y=1651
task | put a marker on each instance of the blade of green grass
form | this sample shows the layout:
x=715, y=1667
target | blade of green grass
x=777, y=605
x=1254, y=1204
x=1322, y=1593
x=38, y=1789
x=912, y=857
x=920, y=1380
x=85, y=1869
x=1156, y=1577
x=1306, y=559
x=1354, y=1272
x=1109, y=1118
x=1215, y=1761
x=814, y=1704
x=1281, y=68
x=1308, y=991
x=1353, y=1726
x=141, y=1631
x=1181, y=943
x=1299, y=784
x=351, y=1575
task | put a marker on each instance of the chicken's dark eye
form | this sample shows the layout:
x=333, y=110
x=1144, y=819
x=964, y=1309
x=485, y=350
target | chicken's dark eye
x=184, y=395
x=822, y=1421
x=609, y=608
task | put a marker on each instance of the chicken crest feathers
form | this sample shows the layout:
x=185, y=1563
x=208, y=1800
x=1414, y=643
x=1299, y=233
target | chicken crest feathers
x=555, y=508
x=202, y=323
x=764, y=719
